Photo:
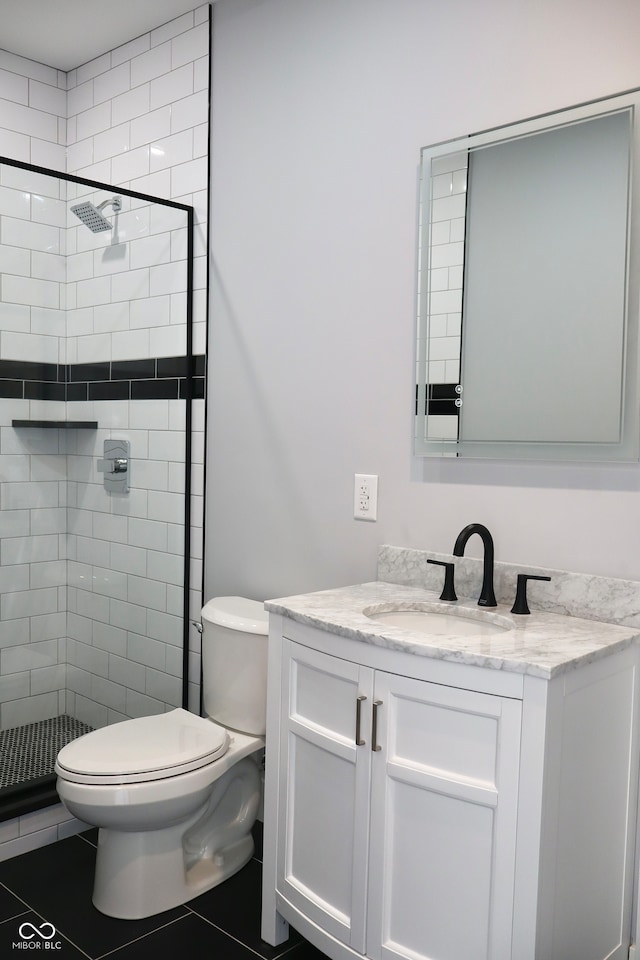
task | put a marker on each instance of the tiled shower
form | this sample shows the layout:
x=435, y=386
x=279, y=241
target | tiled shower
x=99, y=340
x=439, y=344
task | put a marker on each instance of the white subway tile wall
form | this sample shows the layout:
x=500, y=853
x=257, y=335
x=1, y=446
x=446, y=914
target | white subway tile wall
x=91, y=583
x=37, y=829
x=441, y=332
x=139, y=117
x=448, y=201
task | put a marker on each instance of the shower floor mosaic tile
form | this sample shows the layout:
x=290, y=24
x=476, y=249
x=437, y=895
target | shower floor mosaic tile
x=30, y=751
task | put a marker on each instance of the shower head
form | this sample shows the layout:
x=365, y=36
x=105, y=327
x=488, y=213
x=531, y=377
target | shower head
x=93, y=217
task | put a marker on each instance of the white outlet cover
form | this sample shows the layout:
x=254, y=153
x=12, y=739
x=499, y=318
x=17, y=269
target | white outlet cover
x=365, y=497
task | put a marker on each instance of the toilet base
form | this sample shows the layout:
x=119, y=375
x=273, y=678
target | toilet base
x=139, y=874
x=142, y=873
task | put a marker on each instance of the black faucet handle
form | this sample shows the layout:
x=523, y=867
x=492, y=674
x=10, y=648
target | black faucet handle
x=521, y=605
x=448, y=591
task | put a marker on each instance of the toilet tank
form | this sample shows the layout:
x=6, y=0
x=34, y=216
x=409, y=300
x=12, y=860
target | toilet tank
x=234, y=663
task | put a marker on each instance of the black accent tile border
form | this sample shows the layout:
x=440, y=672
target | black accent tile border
x=38, y=390
x=439, y=399
x=154, y=378
x=443, y=408
x=135, y=369
x=197, y=388
x=154, y=389
x=12, y=388
x=30, y=370
x=77, y=391
x=109, y=390
x=88, y=371
x=172, y=367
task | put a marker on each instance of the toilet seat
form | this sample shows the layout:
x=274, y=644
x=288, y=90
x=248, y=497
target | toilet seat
x=142, y=750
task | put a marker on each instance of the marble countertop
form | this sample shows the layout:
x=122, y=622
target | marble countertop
x=542, y=644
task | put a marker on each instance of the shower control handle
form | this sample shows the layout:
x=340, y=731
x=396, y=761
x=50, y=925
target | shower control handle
x=115, y=465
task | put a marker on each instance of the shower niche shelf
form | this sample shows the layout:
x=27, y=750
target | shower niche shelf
x=57, y=424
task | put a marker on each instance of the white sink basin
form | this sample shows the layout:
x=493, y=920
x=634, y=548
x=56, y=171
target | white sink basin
x=438, y=620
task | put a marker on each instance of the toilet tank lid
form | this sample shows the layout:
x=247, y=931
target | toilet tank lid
x=237, y=613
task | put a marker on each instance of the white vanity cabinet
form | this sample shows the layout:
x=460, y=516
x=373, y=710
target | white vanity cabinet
x=417, y=809
x=398, y=808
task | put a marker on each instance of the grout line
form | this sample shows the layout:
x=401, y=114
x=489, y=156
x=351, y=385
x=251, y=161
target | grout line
x=16, y=916
x=72, y=942
x=294, y=946
x=82, y=837
x=142, y=937
x=189, y=911
x=227, y=934
x=241, y=943
x=13, y=894
x=31, y=909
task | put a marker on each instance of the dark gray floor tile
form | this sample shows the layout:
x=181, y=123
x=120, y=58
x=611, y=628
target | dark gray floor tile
x=57, y=882
x=304, y=951
x=235, y=907
x=54, y=885
x=190, y=936
x=29, y=934
x=10, y=906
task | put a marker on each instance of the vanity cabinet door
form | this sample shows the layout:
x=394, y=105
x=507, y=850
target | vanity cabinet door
x=324, y=790
x=443, y=822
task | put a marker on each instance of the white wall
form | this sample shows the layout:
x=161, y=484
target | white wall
x=319, y=111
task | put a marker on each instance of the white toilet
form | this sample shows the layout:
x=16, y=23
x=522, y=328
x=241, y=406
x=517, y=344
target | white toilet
x=176, y=795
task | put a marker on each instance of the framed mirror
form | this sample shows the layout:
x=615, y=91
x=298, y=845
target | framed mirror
x=527, y=334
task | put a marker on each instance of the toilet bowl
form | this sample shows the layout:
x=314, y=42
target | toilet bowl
x=174, y=795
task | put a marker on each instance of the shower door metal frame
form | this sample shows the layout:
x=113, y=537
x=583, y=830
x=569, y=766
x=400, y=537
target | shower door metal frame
x=188, y=391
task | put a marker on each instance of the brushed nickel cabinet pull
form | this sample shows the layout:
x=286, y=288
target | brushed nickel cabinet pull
x=359, y=701
x=374, y=726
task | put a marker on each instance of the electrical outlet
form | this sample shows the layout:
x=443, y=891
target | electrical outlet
x=365, y=497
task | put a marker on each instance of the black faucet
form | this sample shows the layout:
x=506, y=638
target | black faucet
x=487, y=596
